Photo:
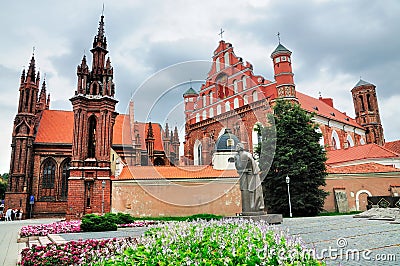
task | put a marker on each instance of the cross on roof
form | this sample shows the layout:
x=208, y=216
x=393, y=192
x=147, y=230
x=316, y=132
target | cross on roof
x=279, y=37
x=220, y=33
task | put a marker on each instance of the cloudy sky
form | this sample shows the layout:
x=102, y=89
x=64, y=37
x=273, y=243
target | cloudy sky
x=333, y=44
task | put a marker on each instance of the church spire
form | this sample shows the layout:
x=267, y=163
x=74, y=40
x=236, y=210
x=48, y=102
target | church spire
x=100, y=40
x=31, y=75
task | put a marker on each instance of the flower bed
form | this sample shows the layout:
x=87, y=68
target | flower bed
x=53, y=228
x=67, y=227
x=224, y=242
x=137, y=224
x=74, y=252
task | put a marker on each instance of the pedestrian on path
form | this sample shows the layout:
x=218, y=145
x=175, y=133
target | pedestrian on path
x=8, y=214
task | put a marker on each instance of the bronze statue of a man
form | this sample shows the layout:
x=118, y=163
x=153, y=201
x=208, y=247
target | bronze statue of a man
x=250, y=182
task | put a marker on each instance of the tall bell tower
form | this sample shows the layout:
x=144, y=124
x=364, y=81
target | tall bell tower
x=281, y=58
x=89, y=185
x=367, y=111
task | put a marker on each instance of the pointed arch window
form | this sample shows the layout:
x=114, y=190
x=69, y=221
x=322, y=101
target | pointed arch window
x=92, y=137
x=48, y=174
x=64, y=179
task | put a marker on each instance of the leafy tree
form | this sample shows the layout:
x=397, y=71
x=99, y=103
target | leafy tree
x=3, y=185
x=298, y=155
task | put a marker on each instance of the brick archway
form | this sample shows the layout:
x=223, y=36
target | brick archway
x=358, y=197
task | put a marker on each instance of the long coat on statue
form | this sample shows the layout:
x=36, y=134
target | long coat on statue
x=250, y=181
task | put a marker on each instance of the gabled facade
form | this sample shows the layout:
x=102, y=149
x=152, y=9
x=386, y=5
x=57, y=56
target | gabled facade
x=234, y=97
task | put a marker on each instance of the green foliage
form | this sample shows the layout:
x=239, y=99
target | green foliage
x=96, y=223
x=226, y=242
x=298, y=155
x=3, y=185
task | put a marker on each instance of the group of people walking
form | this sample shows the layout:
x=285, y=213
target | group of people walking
x=10, y=214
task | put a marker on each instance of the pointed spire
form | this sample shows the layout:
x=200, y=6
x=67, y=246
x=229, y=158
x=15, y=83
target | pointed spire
x=100, y=33
x=42, y=97
x=176, y=136
x=48, y=102
x=31, y=70
x=23, y=76
x=150, y=134
x=108, y=63
x=166, y=131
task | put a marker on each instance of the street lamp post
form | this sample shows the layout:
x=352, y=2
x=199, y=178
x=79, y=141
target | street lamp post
x=288, y=191
x=103, y=186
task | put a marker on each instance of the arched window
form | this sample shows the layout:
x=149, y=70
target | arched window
x=63, y=187
x=92, y=137
x=335, y=141
x=255, y=96
x=217, y=65
x=204, y=114
x=235, y=86
x=204, y=100
x=211, y=112
x=211, y=97
x=245, y=99
x=350, y=142
x=235, y=103
x=226, y=59
x=227, y=106
x=369, y=102
x=362, y=103
x=48, y=174
x=197, y=117
x=197, y=150
x=244, y=83
x=219, y=109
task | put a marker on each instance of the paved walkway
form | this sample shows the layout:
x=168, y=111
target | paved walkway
x=349, y=241
x=340, y=240
x=8, y=239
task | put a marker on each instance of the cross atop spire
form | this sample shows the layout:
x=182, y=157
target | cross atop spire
x=279, y=37
x=220, y=33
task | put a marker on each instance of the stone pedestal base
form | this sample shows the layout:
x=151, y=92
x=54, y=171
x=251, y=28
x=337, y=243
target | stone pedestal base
x=270, y=218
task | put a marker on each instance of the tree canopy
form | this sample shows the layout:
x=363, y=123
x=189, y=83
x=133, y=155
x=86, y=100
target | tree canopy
x=299, y=155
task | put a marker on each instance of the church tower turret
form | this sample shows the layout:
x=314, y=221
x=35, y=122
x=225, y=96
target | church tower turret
x=282, y=61
x=94, y=118
x=24, y=131
x=367, y=111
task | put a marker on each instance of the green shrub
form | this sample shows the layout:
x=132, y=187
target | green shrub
x=96, y=223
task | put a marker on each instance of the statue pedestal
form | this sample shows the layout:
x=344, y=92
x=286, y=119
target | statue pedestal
x=270, y=218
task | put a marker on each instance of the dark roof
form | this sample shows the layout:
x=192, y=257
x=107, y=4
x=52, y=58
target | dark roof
x=280, y=48
x=226, y=142
x=190, y=91
x=362, y=82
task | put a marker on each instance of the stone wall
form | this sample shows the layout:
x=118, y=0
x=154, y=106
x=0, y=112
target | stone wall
x=176, y=198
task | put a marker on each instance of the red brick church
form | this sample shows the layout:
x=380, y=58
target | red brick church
x=91, y=159
x=66, y=159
